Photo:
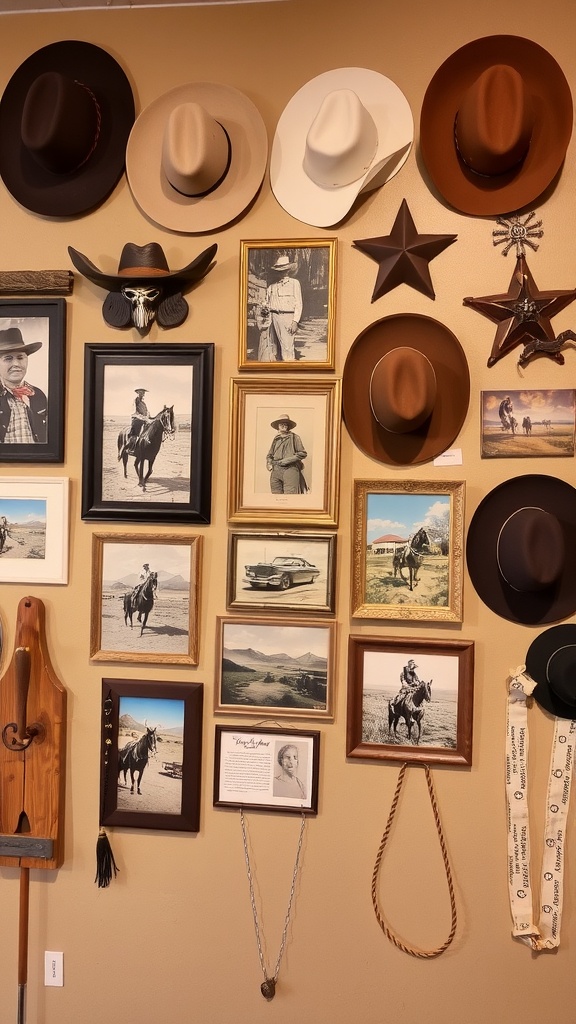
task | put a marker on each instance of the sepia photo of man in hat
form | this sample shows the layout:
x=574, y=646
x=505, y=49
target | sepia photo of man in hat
x=284, y=459
x=283, y=305
x=23, y=407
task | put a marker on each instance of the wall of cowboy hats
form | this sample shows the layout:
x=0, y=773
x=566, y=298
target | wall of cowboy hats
x=173, y=935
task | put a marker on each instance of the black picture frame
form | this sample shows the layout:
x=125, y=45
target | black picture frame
x=180, y=486
x=240, y=783
x=164, y=774
x=46, y=373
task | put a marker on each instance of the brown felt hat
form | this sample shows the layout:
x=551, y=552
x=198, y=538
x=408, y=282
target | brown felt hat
x=406, y=387
x=65, y=118
x=521, y=549
x=495, y=124
x=551, y=661
x=143, y=264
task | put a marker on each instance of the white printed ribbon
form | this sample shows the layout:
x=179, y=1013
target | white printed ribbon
x=546, y=933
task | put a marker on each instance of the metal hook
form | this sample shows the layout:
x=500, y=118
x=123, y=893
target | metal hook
x=21, y=734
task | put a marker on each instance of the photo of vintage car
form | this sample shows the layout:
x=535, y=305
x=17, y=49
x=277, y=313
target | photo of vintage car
x=282, y=572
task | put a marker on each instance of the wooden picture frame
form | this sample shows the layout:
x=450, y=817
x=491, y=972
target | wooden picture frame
x=270, y=666
x=281, y=572
x=527, y=424
x=42, y=326
x=260, y=489
x=266, y=769
x=436, y=725
x=389, y=516
x=168, y=794
x=168, y=630
x=306, y=285
x=180, y=380
x=34, y=513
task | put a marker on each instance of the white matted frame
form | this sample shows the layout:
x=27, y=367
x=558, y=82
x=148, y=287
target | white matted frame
x=34, y=540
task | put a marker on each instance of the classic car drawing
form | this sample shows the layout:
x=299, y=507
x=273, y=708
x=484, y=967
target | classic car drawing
x=283, y=572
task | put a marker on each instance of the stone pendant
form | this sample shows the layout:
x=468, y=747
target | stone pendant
x=268, y=988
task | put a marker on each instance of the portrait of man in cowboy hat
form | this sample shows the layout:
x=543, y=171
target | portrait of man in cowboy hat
x=23, y=405
x=285, y=458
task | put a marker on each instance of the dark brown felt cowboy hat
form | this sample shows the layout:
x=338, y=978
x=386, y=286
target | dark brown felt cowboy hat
x=65, y=118
x=142, y=264
x=406, y=387
x=551, y=661
x=521, y=549
x=495, y=124
x=11, y=340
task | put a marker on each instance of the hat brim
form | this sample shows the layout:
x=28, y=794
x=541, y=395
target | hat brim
x=448, y=359
x=113, y=282
x=31, y=347
x=152, y=191
x=295, y=191
x=552, y=105
x=531, y=608
x=537, y=657
x=67, y=195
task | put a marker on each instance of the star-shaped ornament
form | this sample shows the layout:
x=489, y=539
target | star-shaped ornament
x=523, y=313
x=403, y=255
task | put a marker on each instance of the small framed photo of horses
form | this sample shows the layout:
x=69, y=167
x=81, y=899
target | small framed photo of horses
x=287, y=304
x=147, y=453
x=527, y=424
x=151, y=754
x=408, y=550
x=145, y=598
x=410, y=700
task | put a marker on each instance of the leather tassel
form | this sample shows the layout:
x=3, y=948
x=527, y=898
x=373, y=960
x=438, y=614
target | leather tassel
x=105, y=863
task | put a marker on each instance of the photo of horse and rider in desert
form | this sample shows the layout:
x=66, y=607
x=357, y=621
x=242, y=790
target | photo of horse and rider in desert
x=528, y=423
x=150, y=755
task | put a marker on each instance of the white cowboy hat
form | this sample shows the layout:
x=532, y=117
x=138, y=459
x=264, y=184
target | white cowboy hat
x=196, y=157
x=346, y=131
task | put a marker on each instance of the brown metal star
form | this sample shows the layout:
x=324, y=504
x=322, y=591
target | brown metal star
x=403, y=255
x=522, y=313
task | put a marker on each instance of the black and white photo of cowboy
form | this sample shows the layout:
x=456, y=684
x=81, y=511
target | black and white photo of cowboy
x=24, y=380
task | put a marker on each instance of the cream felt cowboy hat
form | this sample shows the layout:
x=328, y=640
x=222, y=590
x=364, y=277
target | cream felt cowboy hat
x=346, y=131
x=196, y=157
x=65, y=118
x=495, y=124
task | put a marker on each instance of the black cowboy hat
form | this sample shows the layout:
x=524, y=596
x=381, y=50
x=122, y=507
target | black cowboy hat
x=143, y=264
x=65, y=118
x=521, y=549
x=551, y=661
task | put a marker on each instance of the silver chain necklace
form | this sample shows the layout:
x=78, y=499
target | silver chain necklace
x=268, y=986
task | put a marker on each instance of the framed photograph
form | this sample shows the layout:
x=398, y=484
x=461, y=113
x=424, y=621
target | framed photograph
x=151, y=754
x=266, y=769
x=275, y=668
x=281, y=572
x=145, y=598
x=410, y=700
x=284, y=451
x=408, y=550
x=287, y=304
x=148, y=433
x=33, y=529
x=527, y=424
x=32, y=379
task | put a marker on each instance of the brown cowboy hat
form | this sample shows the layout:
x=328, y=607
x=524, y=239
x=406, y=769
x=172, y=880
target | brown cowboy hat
x=65, y=118
x=406, y=387
x=521, y=549
x=551, y=661
x=141, y=264
x=495, y=124
x=11, y=340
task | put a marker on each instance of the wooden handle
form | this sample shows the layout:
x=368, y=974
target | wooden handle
x=23, y=926
x=22, y=666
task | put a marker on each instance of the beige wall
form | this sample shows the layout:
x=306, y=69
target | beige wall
x=172, y=939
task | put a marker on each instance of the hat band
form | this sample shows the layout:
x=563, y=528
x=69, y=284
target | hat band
x=562, y=696
x=479, y=174
x=206, y=192
x=98, y=124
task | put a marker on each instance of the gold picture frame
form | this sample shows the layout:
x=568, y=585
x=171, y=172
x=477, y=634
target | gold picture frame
x=313, y=407
x=408, y=550
x=169, y=633
x=265, y=341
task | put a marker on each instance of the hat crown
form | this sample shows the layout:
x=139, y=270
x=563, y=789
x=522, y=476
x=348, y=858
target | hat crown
x=402, y=390
x=137, y=260
x=195, y=150
x=283, y=419
x=282, y=263
x=11, y=340
x=494, y=122
x=341, y=141
x=561, y=673
x=60, y=122
x=531, y=550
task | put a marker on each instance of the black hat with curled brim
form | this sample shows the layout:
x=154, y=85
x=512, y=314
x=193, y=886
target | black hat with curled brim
x=521, y=549
x=92, y=112
x=551, y=661
x=141, y=265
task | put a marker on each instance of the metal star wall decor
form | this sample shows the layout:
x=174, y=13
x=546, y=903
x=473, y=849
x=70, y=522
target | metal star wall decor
x=403, y=255
x=523, y=314
x=515, y=232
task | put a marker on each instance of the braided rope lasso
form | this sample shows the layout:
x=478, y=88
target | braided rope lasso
x=391, y=935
